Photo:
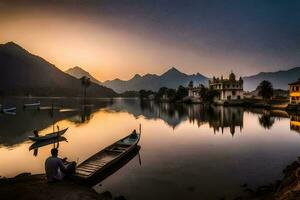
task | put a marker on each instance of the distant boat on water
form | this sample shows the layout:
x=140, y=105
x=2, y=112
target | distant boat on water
x=48, y=136
x=30, y=105
x=8, y=110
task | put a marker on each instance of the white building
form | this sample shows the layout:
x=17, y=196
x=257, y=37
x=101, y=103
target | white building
x=294, y=89
x=229, y=90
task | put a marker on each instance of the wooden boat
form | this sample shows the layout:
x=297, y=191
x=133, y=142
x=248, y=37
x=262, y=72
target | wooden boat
x=43, y=143
x=48, y=136
x=107, y=158
x=36, y=104
x=10, y=109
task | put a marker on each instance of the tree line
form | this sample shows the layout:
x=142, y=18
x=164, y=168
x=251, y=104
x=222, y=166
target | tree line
x=206, y=95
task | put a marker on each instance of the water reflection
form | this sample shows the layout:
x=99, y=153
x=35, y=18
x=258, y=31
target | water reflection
x=178, y=142
x=38, y=144
x=266, y=120
x=218, y=118
x=295, y=122
x=15, y=129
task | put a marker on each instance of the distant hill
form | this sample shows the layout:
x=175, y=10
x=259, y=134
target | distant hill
x=78, y=72
x=279, y=79
x=171, y=79
x=23, y=73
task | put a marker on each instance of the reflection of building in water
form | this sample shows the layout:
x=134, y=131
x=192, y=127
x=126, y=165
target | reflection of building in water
x=219, y=118
x=227, y=117
x=229, y=90
x=295, y=123
x=198, y=113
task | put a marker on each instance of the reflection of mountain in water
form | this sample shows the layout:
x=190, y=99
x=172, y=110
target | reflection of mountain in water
x=16, y=129
x=171, y=114
x=218, y=118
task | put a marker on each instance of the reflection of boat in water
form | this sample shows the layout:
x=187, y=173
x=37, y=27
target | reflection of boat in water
x=48, y=136
x=30, y=105
x=102, y=162
x=39, y=144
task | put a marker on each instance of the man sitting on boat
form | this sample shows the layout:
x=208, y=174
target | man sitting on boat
x=133, y=135
x=36, y=133
x=55, y=168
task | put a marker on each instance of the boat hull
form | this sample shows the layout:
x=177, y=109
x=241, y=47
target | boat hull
x=48, y=136
x=101, y=162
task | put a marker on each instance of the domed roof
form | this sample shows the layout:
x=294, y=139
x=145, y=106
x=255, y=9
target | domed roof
x=232, y=76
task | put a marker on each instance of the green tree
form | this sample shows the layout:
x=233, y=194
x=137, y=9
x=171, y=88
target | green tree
x=162, y=91
x=85, y=82
x=181, y=93
x=203, y=91
x=265, y=89
x=209, y=95
x=143, y=94
x=171, y=93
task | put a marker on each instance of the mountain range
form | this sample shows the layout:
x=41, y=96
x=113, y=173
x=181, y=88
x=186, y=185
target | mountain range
x=173, y=78
x=279, y=79
x=23, y=73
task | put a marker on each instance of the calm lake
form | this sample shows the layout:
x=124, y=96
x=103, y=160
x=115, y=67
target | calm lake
x=187, y=151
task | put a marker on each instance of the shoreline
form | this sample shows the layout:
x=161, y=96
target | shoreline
x=26, y=186
x=287, y=188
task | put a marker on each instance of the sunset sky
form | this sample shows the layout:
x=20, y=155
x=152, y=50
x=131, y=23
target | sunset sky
x=119, y=38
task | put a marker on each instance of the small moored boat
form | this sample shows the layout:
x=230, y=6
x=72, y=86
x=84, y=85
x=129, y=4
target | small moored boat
x=106, y=158
x=36, y=104
x=48, y=136
x=10, y=109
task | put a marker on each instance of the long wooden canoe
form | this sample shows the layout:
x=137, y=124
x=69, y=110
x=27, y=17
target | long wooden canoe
x=48, y=136
x=107, y=158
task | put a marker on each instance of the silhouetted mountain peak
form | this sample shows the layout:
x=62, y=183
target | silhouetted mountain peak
x=23, y=73
x=76, y=68
x=173, y=71
x=136, y=76
x=13, y=48
x=78, y=72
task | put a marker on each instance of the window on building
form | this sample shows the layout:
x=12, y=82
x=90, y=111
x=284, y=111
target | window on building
x=233, y=93
x=297, y=88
